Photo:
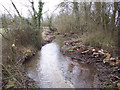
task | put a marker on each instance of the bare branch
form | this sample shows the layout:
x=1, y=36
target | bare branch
x=4, y=36
x=16, y=9
x=7, y=10
x=45, y=12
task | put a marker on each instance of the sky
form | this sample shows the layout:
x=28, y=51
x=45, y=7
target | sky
x=24, y=5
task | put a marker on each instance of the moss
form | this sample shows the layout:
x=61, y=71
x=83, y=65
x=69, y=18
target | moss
x=28, y=53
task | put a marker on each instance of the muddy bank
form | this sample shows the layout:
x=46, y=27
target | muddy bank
x=108, y=69
x=13, y=72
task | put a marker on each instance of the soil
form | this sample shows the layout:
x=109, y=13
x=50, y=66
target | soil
x=108, y=75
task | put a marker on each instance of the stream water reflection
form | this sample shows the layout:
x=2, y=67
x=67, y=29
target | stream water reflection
x=50, y=69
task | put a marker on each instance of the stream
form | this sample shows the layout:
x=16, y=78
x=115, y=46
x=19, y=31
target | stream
x=50, y=69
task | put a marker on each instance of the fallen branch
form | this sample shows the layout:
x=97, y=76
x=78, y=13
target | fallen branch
x=10, y=74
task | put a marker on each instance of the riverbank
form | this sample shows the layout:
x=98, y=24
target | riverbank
x=13, y=72
x=107, y=67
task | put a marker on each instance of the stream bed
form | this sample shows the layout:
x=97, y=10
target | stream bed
x=50, y=69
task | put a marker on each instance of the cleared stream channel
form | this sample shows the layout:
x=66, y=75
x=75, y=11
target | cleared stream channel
x=50, y=69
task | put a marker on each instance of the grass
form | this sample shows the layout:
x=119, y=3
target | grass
x=25, y=39
x=20, y=39
x=100, y=40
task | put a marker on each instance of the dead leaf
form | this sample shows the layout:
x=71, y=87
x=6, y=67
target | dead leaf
x=118, y=85
x=112, y=63
x=101, y=51
x=108, y=55
x=112, y=59
x=85, y=51
x=117, y=62
x=107, y=59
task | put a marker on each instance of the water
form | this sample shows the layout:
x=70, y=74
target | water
x=50, y=69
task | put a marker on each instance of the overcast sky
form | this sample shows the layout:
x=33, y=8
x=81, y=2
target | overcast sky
x=22, y=6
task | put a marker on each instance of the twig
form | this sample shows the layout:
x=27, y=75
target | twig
x=7, y=10
x=16, y=9
x=11, y=74
x=6, y=69
x=4, y=36
x=45, y=12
